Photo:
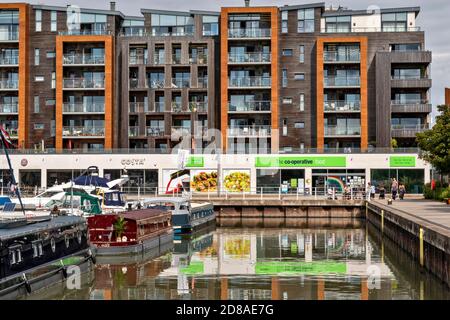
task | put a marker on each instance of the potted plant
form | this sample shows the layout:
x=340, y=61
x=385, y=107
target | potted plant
x=119, y=227
x=192, y=106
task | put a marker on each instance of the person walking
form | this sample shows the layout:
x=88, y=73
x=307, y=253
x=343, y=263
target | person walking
x=382, y=191
x=401, y=191
x=372, y=191
x=394, y=188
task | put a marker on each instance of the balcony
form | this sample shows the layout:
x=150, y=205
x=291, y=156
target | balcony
x=181, y=83
x=176, y=59
x=370, y=29
x=198, y=59
x=181, y=131
x=83, y=84
x=411, y=106
x=202, y=83
x=159, y=60
x=249, y=58
x=143, y=107
x=85, y=32
x=341, y=82
x=250, y=82
x=407, y=131
x=83, y=132
x=410, y=82
x=342, y=131
x=338, y=106
x=198, y=106
x=7, y=85
x=81, y=108
x=251, y=106
x=249, y=33
x=155, y=84
x=140, y=59
x=9, y=61
x=9, y=108
x=83, y=59
x=133, y=131
x=337, y=57
x=155, y=131
x=250, y=131
x=410, y=56
x=13, y=132
x=9, y=36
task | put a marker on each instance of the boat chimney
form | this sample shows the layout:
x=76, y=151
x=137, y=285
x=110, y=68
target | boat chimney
x=112, y=6
x=247, y=3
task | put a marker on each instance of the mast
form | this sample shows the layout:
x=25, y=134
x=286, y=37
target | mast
x=11, y=171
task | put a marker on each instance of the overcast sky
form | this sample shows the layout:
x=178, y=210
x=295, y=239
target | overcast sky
x=433, y=19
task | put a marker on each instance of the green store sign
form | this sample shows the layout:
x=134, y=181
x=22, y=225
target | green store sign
x=196, y=267
x=402, y=161
x=293, y=268
x=264, y=162
x=195, y=162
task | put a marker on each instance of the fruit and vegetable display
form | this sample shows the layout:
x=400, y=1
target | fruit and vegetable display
x=237, y=181
x=204, y=182
x=237, y=247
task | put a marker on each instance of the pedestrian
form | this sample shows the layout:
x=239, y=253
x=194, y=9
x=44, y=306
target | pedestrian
x=372, y=192
x=382, y=191
x=394, y=188
x=401, y=191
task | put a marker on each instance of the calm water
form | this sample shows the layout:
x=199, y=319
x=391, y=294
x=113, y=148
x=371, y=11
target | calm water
x=264, y=263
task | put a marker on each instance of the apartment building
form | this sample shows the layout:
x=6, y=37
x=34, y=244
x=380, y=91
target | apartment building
x=272, y=79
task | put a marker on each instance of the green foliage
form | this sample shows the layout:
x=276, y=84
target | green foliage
x=394, y=143
x=440, y=193
x=120, y=226
x=435, y=143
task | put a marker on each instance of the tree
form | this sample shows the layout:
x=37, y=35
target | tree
x=434, y=144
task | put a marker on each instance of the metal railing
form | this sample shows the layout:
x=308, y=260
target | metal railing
x=409, y=77
x=158, y=60
x=83, y=108
x=249, y=131
x=133, y=131
x=154, y=131
x=155, y=84
x=6, y=35
x=137, y=59
x=181, y=83
x=418, y=127
x=13, y=132
x=9, y=108
x=252, y=57
x=341, y=105
x=251, y=82
x=180, y=130
x=76, y=131
x=9, y=61
x=198, y=59
x=202, y=83
x=342, y=131
x=81, y=59
x=9, y=84
x=332, y=81
x=137, y=107
x=409, y=102
x=334, y=56
x=81, y=83
x=176, y=59
x=250, y=106
x=249, y=33
x=177, y=107
x=85, y=32
x=198, y=106
x=370, y=29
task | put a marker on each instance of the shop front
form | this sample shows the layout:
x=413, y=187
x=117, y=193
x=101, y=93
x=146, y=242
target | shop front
x=271, y=180
x=338, y=179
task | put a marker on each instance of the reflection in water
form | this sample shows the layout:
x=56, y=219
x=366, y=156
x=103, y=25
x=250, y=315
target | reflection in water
x=271, y=263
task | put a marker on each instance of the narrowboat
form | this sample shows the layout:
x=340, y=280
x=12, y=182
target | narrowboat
x=131, y=232
x=187, y=216
x=37, y=255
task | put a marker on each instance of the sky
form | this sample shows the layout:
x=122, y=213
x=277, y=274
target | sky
x=432, y=19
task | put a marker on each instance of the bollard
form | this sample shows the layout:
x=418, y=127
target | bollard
x=261, y=193
x=382, y=221
x=367, y=210
x=421, y=247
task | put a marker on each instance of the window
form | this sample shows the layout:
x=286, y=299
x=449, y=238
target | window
x=287, y=52
x=302, y=102
x=394, y=22
x=36, y=104
x=284, y=21
x=287, y=100
x=302, y=145
x=51, y=54
x=285, y=131
x=338, y=24
x=301, y=54
x=405, y=47
x=53, y=128
x=38, y=126
x=36, y=57
x=299, y=125
x=38, y=20
x=53, y=80
x=210, y=25
x=305, y=19
x=284, y=81
x=299, y=76
x=50, y=102
x=39, y=78
x=53, y=21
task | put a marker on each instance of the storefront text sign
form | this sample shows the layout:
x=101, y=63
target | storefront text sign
x=283, y=162
x=195, y=162
x=402, y=161
x=132, y=162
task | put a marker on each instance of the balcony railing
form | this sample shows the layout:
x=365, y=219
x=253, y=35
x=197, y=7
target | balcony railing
x=9, y=108
x=177, y=107
x=250, y=82
x=418, y=127
x=202, y=83
x=6, y=35
x=13, y=132
x=407, y=131
x=253, y=57
x=158, y=60
x=198, y=59
x=249, y=131
x=9, y=84
x=81, y=59
x=342, y=131
x=139, y=59
x=341, y=106
x=155, y=131
x=80, y=83
x=333, y=56
x=83, y=131
x=198, y=106
x=155, y=84
x=180, y=130
x=133, y=131
x=249, y=33
x=176, y=59
x=409, y=77
x=253, y=106
x=342, y=81
x=181, y=83
x=9, y=61
x=371, y=29
x=83, y=108
x=85, y=32
x=420, y=106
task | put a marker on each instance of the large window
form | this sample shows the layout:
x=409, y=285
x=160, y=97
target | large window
x=305, y=19
x=53, y=21
x=9, y=25
x=413, y=179
x=133, y=27
x=210, y=25
x=301, y=54
x=38, y=20
x=168, y=25
x=338, y=24
x=284, y=21
x=284, y=80
x=394, y=22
